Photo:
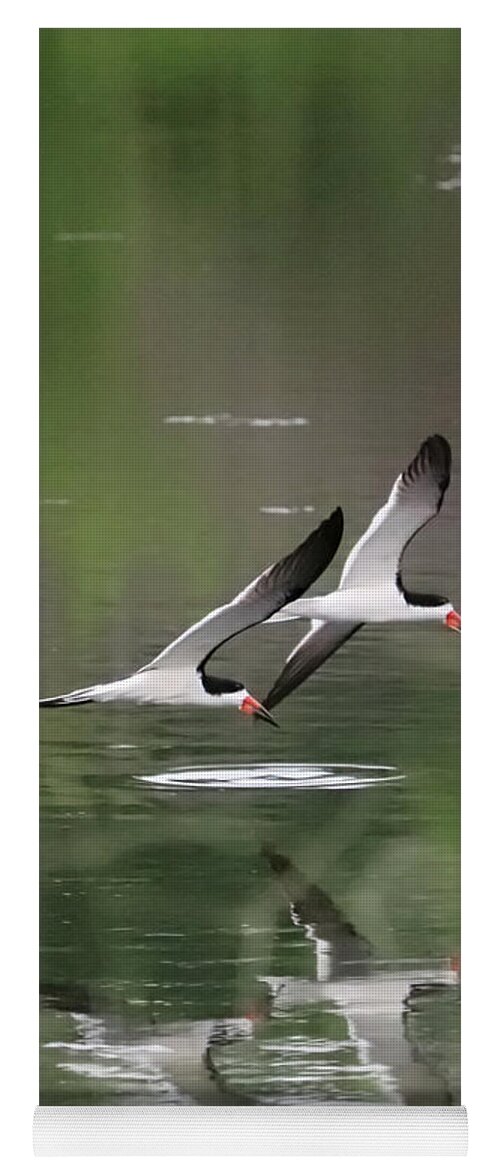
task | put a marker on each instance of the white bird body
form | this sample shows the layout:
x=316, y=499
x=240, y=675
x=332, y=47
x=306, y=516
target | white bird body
x=183, y=686
x=359, y=606
x=370, y=588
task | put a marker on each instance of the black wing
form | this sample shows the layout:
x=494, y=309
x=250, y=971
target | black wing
x=322, y=640
x=278, y=585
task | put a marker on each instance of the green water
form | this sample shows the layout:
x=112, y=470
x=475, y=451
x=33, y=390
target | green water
x=239, y=226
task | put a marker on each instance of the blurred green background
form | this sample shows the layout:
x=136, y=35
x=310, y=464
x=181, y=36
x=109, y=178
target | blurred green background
x=256, y=231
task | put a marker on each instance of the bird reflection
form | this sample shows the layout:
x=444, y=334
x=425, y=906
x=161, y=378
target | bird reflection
x=173, y=1063
x=386, y=1009
x=338, y=946
x=381, y=1002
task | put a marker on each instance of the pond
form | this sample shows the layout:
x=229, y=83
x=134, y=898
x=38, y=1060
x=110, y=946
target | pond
x=250, y=314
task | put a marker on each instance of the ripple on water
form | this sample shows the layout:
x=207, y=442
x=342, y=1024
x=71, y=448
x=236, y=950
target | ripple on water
x=226, y=419
x=286, y=509
x=275, y=776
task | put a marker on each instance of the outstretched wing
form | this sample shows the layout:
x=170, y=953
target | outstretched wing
x=322, y=640
x=415, y=499
x=278, y=585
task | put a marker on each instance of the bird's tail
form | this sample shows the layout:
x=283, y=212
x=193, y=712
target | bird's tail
x=73, y=697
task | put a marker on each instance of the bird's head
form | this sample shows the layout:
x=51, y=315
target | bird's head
x=252, y=707
x=227, y=692
x=453, y=620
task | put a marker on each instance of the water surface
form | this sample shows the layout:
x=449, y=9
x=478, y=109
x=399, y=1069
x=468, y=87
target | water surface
x=250, y=267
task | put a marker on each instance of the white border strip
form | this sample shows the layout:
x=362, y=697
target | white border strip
x=236, y=1130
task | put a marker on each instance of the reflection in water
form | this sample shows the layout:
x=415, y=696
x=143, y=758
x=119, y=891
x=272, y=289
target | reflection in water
x=277, y=776
x=174, y=1065
x=361, y=1029
x=336, y=941
x=227, y=420
x=453, y=181
x=376, y=999
x=286, y=509
x=175, y=1015
x=265, y=314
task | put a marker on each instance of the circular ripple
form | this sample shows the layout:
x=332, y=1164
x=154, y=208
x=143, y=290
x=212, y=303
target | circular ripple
x=275, y=776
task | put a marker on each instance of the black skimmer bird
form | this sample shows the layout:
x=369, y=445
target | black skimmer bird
x=371, y=587
x=179, y=674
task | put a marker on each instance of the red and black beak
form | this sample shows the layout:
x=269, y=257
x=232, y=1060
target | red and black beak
x=252, y=707
x=453, y=621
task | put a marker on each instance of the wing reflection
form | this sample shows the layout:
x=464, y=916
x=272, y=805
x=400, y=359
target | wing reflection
x=335, y=940
x=172, y=1064
x=361, y=1029
x=379, y=1000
